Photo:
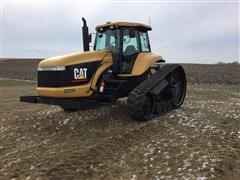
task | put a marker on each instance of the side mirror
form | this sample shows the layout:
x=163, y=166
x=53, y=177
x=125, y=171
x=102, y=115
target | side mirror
x=90, y=38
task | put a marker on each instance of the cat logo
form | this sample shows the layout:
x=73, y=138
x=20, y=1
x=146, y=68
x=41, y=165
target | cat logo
x=80, y=73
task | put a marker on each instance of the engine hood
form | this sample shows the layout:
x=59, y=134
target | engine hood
x=74, y=58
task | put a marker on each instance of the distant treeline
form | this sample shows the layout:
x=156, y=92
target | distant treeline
x=234, y=62
x=38, y=59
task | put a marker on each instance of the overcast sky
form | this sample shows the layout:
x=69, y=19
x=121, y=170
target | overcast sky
x=190, y=32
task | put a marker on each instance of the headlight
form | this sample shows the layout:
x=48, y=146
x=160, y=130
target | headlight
x=52, y=68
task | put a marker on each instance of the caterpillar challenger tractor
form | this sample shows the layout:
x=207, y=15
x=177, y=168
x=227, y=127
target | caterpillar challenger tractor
x=121, y=64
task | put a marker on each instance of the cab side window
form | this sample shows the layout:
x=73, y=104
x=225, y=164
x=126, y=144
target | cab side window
x=144, y=41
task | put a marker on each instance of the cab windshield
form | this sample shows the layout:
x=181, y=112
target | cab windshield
x=105, y=40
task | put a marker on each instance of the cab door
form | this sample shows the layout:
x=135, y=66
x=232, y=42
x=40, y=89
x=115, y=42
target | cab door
x=130, y=48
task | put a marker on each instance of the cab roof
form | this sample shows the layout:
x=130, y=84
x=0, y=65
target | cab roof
x=140, y=26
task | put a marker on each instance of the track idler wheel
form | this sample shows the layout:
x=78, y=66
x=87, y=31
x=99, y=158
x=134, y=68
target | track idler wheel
x=177, y=81
x=140, y=108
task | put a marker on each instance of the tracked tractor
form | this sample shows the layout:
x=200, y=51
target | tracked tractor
x=121, y=64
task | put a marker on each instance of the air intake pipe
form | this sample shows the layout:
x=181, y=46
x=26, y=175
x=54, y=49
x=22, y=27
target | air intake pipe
x=85, y=35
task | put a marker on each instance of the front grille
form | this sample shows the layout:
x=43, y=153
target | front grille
x=67, y=77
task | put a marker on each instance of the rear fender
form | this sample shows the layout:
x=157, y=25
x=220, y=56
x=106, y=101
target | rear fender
x=143, y=62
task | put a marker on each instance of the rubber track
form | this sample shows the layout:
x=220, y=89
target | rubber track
x=137, y=96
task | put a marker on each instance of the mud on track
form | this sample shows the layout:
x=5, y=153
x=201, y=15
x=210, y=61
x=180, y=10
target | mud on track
x=200, y=140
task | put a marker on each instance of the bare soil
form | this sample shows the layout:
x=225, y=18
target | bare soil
x=201, y=140
x=19, y=69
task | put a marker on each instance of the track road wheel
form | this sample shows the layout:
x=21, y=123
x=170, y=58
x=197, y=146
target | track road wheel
x=177, y=81
x=140, y=108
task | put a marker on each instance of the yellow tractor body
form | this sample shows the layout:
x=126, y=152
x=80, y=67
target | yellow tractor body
x=121, y=64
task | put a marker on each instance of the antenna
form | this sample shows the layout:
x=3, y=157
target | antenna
x=149, y=21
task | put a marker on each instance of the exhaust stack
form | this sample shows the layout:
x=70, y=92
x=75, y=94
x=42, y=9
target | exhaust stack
x=85, y=35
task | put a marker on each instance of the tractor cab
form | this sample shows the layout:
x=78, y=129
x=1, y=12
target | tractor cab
x=125, y=40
